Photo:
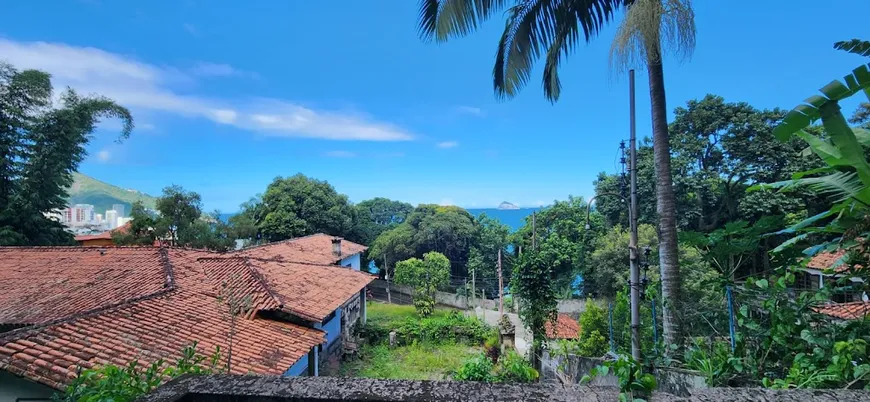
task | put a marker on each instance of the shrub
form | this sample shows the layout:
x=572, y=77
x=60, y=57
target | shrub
x=453, y=327
x=426, y=276
x=478, y=368
x=122, y=384
x=593, y=323
x=513, y=368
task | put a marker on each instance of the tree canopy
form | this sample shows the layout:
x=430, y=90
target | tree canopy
x=41, y=144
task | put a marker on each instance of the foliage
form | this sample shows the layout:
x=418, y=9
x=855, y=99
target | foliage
x=593, y=326
x=443, y=326
x=377, y=215
x=141, y=229
x=41, y=144
x=478, y=368
x=533, y=285
x=633, y=383
x=122, y=384
x=426, y=277
x=415, y=361
x=493, y=236
x=714, y=361
x=857, y=46
x=178, y=209
x=609, y=265
x=729, y=248
x=449, y=230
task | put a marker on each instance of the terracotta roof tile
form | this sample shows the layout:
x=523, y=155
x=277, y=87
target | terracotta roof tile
x=157, y=325
x=107, y=235
x=845, y=311
x=564, y=328
x=39, y=284
x=823, y=261
x=314, y=249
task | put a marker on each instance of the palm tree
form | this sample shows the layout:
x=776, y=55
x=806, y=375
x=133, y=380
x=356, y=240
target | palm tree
x=552, y=29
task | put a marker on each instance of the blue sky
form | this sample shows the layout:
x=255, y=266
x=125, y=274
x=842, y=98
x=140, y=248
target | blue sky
x=227, y=95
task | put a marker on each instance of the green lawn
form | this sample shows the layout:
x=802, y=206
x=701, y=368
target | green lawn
x=416, y=361
x=412, y=362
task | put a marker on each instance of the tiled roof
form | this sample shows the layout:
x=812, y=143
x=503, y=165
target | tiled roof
x=314, y=249
x=564, y=328
x=308, y=290
x=156, y=326
x=40, y=284
x=845, y=311
x=823, y=261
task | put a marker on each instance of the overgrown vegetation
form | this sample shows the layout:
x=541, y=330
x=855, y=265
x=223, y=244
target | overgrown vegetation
x=125, y=384
x=426, y=276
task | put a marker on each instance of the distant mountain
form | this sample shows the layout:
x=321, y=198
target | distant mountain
x=87, y=190
x=507, y=205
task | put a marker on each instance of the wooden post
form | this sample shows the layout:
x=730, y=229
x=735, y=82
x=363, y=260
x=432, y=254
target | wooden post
x=500, y=287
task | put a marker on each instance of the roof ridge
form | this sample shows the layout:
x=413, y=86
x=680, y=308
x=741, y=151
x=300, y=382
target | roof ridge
x=261, y=279
x=167, y=268
x=275, y=259
x=4, y=337
x=290, y=240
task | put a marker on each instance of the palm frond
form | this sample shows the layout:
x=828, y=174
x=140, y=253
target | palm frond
x=443, y=19
x=840, y=185
x=651, y=28
x=591, y=15
x=537, y=26
x=857, y=46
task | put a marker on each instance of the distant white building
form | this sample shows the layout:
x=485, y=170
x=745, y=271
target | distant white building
x=121, y=209
x=112, y=218
x=123, y=220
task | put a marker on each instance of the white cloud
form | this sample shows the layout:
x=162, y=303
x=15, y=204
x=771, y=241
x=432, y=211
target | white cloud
x=447, y=144
x=341, y=154
x=140, y=85
x=471, y=110
x=104, y=156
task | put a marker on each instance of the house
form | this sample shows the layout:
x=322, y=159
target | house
x=845, y=311
x=317, y=248
x=828, y=267
x=65, y=308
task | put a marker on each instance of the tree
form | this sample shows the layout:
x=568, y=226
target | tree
x=376, y=216
x=141, y=231
x=449, y=230
x=426, y=276
x=298, y=206
x=538, y=27
x=493, y=236
x=178, y=209
x=40, y=146
x=534, y=287
x=608, y=262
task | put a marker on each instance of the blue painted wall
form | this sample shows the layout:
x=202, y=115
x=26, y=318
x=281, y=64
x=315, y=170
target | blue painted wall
x=332, y=328
x=300, y=368
x=353, y=261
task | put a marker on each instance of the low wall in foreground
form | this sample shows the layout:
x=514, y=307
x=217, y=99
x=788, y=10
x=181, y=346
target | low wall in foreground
x=226, y=388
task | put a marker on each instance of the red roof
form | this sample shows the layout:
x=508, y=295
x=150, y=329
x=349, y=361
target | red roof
x=314, y=249
x=823, y=261
x=147, y=321
x=39, y=284
x=565, y=328
x=845, y=311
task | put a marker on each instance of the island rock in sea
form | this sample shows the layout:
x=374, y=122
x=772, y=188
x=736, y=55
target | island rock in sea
x=507, y=205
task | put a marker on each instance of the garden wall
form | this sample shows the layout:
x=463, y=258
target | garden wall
x=403, y=295
x=570, y=369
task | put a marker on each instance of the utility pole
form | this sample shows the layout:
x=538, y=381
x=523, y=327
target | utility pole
x=500, y=287
x=387, y=277
x=634, y=284
x=473, y=287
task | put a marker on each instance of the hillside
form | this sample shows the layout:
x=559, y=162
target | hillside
x=87, y=190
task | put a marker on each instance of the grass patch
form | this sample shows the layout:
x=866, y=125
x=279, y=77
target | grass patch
x=393, y=315
x=411, y=362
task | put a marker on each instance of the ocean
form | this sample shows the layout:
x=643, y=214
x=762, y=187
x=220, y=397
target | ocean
x=514, y=218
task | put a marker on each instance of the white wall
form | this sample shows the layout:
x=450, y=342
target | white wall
x=13, y=387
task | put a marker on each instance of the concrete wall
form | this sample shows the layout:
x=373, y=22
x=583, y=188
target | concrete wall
x=570, y=369
x=13, y=387
x=403, y=295
x=572, y=307
x=352, y=261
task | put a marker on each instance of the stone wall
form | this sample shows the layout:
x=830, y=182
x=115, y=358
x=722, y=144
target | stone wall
x=225, y=388
x=403, y=295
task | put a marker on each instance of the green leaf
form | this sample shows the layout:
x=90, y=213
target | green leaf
x=815, y=100
x=856, y=46
x=790, y=242
x=762, y=283
x=835, y=90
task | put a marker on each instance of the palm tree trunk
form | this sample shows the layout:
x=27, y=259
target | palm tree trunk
x=665, y=206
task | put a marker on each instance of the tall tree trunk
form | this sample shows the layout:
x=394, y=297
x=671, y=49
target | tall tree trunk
x=665, y=206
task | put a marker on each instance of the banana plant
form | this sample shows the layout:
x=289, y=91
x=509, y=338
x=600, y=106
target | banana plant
x=846, y=179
